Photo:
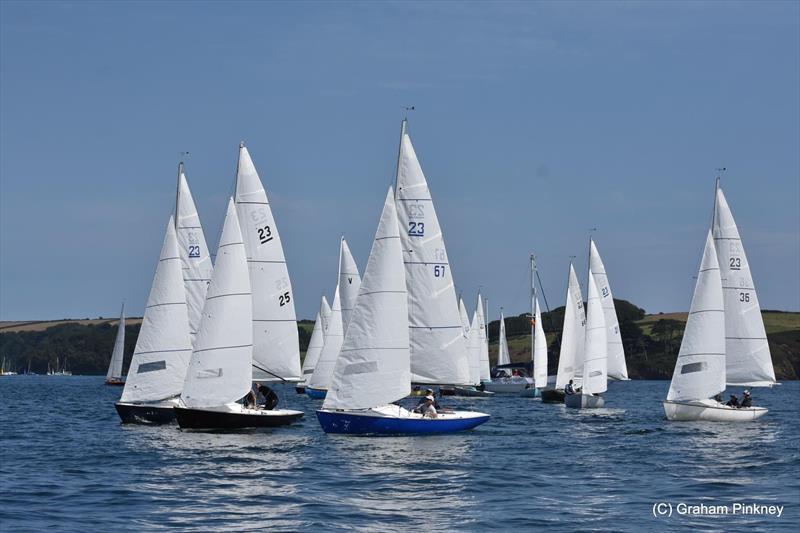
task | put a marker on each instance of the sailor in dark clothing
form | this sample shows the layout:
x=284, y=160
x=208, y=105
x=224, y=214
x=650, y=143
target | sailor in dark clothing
x=269, y=396
x=747, y=401
x=733, y=402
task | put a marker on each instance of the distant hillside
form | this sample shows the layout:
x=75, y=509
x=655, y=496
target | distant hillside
x=651, y=341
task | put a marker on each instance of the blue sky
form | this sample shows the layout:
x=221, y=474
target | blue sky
x=534, y=122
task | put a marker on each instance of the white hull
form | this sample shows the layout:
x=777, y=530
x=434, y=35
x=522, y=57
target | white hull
x=514, y=385
x=711, y=411
x=583, y=401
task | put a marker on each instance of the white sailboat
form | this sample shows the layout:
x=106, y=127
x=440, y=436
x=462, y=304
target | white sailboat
x=276, y=345
x=483, y=341
x=349, y=282
x=473, y=333
x=194, y=252
x=158, y=367
x=438, y=347
x=595, y=355
x=572, y=341
x=617, y=369
x=374, y=366
x=114, y=375
x=315, y=344
x=506, y=379
x=220, y=369
x=503, y=357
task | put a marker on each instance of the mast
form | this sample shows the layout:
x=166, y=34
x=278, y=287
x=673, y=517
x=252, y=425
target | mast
x=486, y=318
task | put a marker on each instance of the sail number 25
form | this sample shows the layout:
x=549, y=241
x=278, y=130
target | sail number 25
x=284, y=298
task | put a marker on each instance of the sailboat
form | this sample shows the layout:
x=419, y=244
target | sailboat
x=572, y=340
x=114, y=375
x=617, y=369
x=155, y=377
x=483, y=339
x=472, y=335
x=724, y=342
x=276, y=345
x=538, y=342
x=220, y=369
x=194, y=252
x=374, y=365
x=505, y=379
x=438, y=347
x=349, y=282
x=315, y=344
x=595, y=355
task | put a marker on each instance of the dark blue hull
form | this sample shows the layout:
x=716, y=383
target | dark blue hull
x=317, y=394
x=361, y=424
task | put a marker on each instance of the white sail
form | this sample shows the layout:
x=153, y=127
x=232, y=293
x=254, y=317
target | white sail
x=349, y=282
x=374, y=365
x=483, y=342
x=164, y=345
x=115, y=366
x=195, y=255
x=276, y=345
x=747, y=355
x=438, y=350
x=617, y=369
x=570, y=358
x=325, y=314
x=315, y=345
x=539, y=349
x=472, y=342
x=502, y=344
x=595, y=348
x=323, y=371
x=700, y=368
x=220, y=371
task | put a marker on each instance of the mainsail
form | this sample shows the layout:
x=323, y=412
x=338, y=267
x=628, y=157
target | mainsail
x=570, y=358
x=374, y=365
x=349, y=282
x=164, y=346
x=617, y=369
x=595, y=358
x=220, y=370
x=700, y=368
x=115, y=366
x=276, y=346
x=747, y=356
x=539, y=349
x=195, y=255
x=502, y=344
x=438, y=350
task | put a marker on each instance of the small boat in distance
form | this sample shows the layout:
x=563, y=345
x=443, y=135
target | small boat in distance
x=114, y=375
x=373, y=369
x=507, y=378
x=617, y=368
x=315, y=344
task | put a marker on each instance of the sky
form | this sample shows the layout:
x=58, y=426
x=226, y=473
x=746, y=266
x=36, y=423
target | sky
x=534, y=122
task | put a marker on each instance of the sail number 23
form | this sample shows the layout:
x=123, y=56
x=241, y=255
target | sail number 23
x=264, y=234
x=416, y=229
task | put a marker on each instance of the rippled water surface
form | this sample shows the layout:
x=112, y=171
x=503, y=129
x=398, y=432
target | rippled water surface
x=68, y=464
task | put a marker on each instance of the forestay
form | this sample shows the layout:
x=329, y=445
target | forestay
x=570, y=357
x=276, y=346
x=617, y=369
x=700, y=368
x=502, y=345
x=349, y=282
x=220, y=370
x=163, y=346
x=374, y=365
x=323, y=371
x=539, y=349
x=595, y=361
x=194, y=252
x=115, y=366
x=748, y=359
x=438, y=350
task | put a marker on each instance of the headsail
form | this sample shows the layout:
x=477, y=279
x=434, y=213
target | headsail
x=595, y=358
x=438, y=350
x=502, y=344
x=700, y=368
x=747, y=354
x=276, y=346
x=220, y=371
x=323, y=371
x=195, y=255
x=570, y=358
x=115, y=366
x=617, y=369
x=539, y=349
x=349, y=282
x=164, y=346
x=374, y=365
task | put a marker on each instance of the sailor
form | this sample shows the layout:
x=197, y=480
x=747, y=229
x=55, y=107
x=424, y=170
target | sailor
x=733, y=402
x=269, y=396
x=747, y=401
x=570, y=388
x=429, y=393
x=427, y=408
x=718, y=398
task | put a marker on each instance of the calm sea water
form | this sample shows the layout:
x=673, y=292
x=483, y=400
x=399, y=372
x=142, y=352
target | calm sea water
x=68, y=464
